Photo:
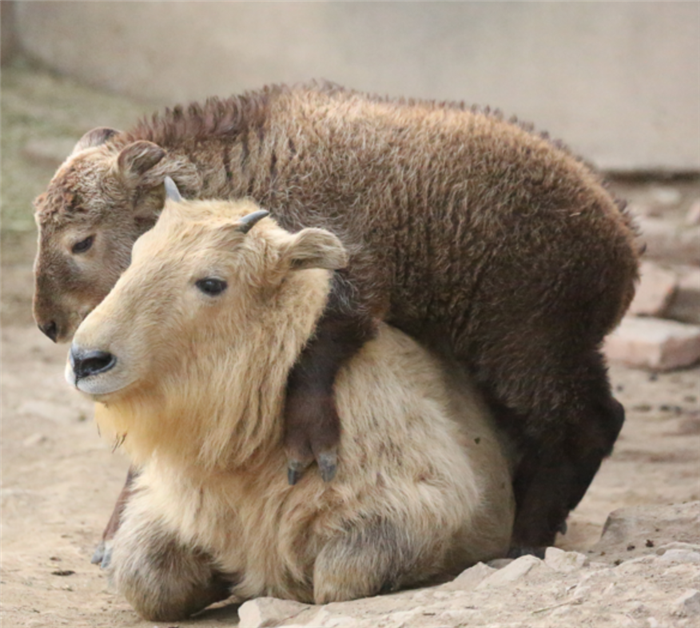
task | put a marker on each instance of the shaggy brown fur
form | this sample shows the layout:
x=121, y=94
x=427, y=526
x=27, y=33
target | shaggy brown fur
x=466, y=231
x=193, y=384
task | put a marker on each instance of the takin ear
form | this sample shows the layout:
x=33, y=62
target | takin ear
x=94, y=138
x=138, y=158
x=315, y=248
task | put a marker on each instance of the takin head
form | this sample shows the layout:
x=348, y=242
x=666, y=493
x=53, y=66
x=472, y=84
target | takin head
x=101, y=199
x=206, y=299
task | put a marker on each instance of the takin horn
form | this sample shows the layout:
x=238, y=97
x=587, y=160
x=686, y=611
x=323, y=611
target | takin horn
x=248, y=222
x=171, y=191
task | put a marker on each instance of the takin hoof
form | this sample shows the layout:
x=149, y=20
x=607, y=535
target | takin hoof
x=327, y=466
x=102, y=555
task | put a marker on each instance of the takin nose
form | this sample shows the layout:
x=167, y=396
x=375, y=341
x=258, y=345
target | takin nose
x=87, y=363
x=50, y=329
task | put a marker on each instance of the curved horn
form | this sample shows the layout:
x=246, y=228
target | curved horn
x=171, y=191
x=248, y=222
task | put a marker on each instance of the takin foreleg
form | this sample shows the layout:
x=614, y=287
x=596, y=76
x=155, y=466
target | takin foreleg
x=160, y=577
x=103, y=552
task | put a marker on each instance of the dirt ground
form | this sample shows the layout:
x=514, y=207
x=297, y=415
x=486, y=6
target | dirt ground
x=59, y=480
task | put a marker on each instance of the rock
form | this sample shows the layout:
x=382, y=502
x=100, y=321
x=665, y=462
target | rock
x=677, y=545
x=469, y=578
x=679, y=521
x=681, y=556
x=654, y=343
x=685, y=304
x=640, y=560
x=637, y=565
x=692, y=218
x=655, y=291
x=668, y=241
x=665, y=196
x=688, y=603
x=265, y=612
x=510, y=573
x=331, y=620
x=455, y=617
x=564, y=562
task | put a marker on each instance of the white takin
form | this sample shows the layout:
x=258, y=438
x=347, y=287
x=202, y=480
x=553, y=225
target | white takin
x=188, y=358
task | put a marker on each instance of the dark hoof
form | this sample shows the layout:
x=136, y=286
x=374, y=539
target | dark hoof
x=328, y=465
x=99, y=554
x=563, y=528
x=295, y=471
x=517, y=552
x=102, y=555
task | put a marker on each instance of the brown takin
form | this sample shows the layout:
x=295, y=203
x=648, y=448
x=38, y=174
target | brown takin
x=189, y=357
x=477, y=237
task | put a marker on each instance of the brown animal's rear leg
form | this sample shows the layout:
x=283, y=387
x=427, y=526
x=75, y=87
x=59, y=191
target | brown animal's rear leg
x=572, y=427
x=550, y=483
x=312, y=426
x=103, y=552
x=558, y=407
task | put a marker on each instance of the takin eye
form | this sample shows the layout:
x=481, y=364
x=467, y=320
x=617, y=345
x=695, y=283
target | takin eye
x=83, y=245
x=211, y=287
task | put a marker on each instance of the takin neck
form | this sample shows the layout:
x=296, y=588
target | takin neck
x=221, y=410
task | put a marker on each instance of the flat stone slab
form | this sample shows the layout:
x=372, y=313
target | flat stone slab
x=654, y=343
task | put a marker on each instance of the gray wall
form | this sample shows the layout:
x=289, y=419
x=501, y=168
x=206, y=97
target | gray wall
x=8, y=31
x=620, y=82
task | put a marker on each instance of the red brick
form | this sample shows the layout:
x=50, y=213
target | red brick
x=670, y=241
x=655, y=291
x=653, y=343
x=685, y=305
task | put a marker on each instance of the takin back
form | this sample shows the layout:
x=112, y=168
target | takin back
x=474, y=235
x=423, y=490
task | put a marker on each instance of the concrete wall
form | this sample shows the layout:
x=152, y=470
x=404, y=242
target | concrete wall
x=7, y=31
x=620, y=82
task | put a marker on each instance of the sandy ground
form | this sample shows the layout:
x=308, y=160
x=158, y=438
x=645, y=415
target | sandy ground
x=59, y=480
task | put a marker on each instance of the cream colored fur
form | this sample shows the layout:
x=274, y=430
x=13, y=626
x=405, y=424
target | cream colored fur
x=423, y=488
